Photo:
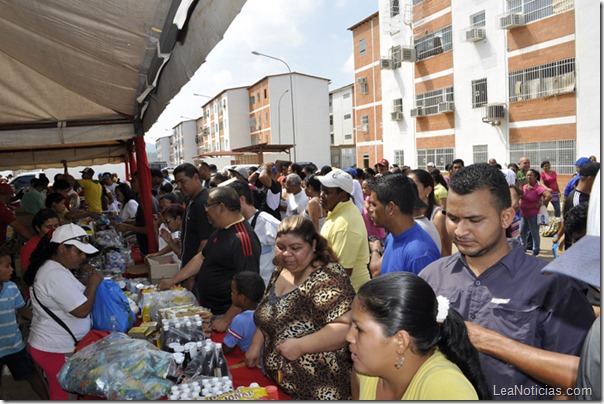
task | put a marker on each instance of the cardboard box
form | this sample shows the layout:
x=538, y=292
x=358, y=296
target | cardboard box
x=161, y=267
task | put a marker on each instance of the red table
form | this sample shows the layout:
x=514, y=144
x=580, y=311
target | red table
x=242, y=375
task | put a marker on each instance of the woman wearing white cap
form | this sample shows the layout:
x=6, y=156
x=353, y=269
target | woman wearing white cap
x=61, y=304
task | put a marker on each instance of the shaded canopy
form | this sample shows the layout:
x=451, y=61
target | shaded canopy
x=81, y=78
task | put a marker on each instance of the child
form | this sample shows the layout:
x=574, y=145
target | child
x=247, y=289
x=12, y=348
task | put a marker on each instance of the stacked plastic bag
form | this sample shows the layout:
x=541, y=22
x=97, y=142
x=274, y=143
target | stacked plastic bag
x=118, y=367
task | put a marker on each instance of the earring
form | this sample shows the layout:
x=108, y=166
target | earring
x=399, y=364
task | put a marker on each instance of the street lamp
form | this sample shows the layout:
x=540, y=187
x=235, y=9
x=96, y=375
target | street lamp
x=279, y=114
x=291, y=95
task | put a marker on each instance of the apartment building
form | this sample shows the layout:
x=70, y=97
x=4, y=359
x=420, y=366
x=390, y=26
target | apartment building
x=367, y=91
x=183, y=142
x=341, y=121
x=162, y=149
x=490, y=79
x=238, y=124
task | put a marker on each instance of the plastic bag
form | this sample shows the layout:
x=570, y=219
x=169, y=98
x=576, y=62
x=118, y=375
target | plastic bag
x=154, y=300
x=111, y=301
x=542, y=216
x=118, y=367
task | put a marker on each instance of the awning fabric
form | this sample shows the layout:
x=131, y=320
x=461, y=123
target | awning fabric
x=81, y=78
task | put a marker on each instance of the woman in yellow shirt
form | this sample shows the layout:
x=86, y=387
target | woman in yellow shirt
x=407, y=344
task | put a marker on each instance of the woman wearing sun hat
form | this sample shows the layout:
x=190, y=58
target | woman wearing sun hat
x=58, y=297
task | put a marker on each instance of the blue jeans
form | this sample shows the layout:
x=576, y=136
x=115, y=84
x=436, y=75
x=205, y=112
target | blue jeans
x=556, y=203
x=526, y=224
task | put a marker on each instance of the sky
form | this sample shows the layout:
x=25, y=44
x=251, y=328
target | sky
x=312, y=36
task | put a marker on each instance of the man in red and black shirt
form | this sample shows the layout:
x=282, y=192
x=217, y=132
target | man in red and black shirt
x=233, y=247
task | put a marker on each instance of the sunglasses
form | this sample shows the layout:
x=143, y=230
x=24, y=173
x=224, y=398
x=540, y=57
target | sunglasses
x=83, y=239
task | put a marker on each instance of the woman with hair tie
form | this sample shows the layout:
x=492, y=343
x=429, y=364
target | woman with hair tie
x=407, y=344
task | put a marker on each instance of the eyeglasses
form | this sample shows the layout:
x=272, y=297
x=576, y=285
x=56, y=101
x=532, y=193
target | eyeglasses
x=207, y=205
x=83, y=239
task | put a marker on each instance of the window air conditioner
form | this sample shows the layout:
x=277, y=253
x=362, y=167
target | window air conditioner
x=408, y=54
x=416, y=112
x=396, y=116
x=362, y=80
x=365, y=127
x=386, y=64
x=511, y=21
x=444, y=107
x=475, y=34
x=493, y=113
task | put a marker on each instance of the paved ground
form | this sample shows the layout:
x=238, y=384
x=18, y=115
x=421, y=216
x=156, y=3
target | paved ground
x=12, y=390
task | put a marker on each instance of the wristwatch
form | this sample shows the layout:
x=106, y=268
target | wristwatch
x=377, y=251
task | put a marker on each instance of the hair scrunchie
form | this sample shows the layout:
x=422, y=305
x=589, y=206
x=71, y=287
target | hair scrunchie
x=443, y=309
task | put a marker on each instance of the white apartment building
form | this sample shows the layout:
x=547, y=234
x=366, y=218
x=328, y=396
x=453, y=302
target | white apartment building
x=183, y=143
x=238, y=123
x=162, y=149
x=341, y=120
x=490, y=79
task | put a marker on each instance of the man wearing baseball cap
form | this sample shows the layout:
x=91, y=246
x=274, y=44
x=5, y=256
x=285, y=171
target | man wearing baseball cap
x=7, y=217
x=92, y=190
x=382, y=166
x=344, y=228
x=573, y=181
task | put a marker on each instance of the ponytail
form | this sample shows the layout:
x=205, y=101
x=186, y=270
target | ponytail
x=44, y=251
x=456, y=346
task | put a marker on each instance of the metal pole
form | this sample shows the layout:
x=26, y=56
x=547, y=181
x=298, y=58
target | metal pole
x=279, y=114
x=291, y=95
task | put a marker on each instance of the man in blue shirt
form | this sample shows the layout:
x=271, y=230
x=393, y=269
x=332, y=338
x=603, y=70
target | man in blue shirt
x=408, y=247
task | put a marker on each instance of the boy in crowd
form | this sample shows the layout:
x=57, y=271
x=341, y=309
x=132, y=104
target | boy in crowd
x=12, y=349
x=247, y=289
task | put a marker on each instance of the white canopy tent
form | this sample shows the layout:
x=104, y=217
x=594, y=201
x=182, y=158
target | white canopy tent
x=80, y=79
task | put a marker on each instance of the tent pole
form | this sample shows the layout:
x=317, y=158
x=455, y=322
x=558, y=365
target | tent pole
x=144, y=181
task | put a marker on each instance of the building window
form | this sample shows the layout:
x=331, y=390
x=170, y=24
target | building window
x=433, y=44
x=543, y=81
x=265, y=95
x=397, y=105
x=534, y=10
x=429, y=100
x=478, y=20
x=257, y=97
x=394, y=8
x=266, y=117
x=399, y=157
x=347, y=116
x=366, y=160
x=480, y=153
x=362, y=47
x=397, y=56
x=440, y=157
x=252, y=100
x=560, y=154
x=348, y=137
x=362, y=81
x=365, y=123
x=346, y=95
x=479, y=93
x=415, y=2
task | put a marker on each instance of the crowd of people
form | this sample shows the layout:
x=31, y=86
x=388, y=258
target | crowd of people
x=378, y=283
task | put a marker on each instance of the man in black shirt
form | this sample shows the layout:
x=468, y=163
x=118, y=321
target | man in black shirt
x=195, y=227
x=269, y=188
x=232, y=248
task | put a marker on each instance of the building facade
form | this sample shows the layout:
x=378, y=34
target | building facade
x=488, y=79
x=367, y=91
x=341, y=121
x=162, y=149
x=183, y=143
x=262, y=114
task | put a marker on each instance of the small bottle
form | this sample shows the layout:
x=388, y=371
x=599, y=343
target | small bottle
x=272, y=391
x=114, y=326
x=221, y=368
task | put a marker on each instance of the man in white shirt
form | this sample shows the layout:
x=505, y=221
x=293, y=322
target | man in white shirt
x=297, y=200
